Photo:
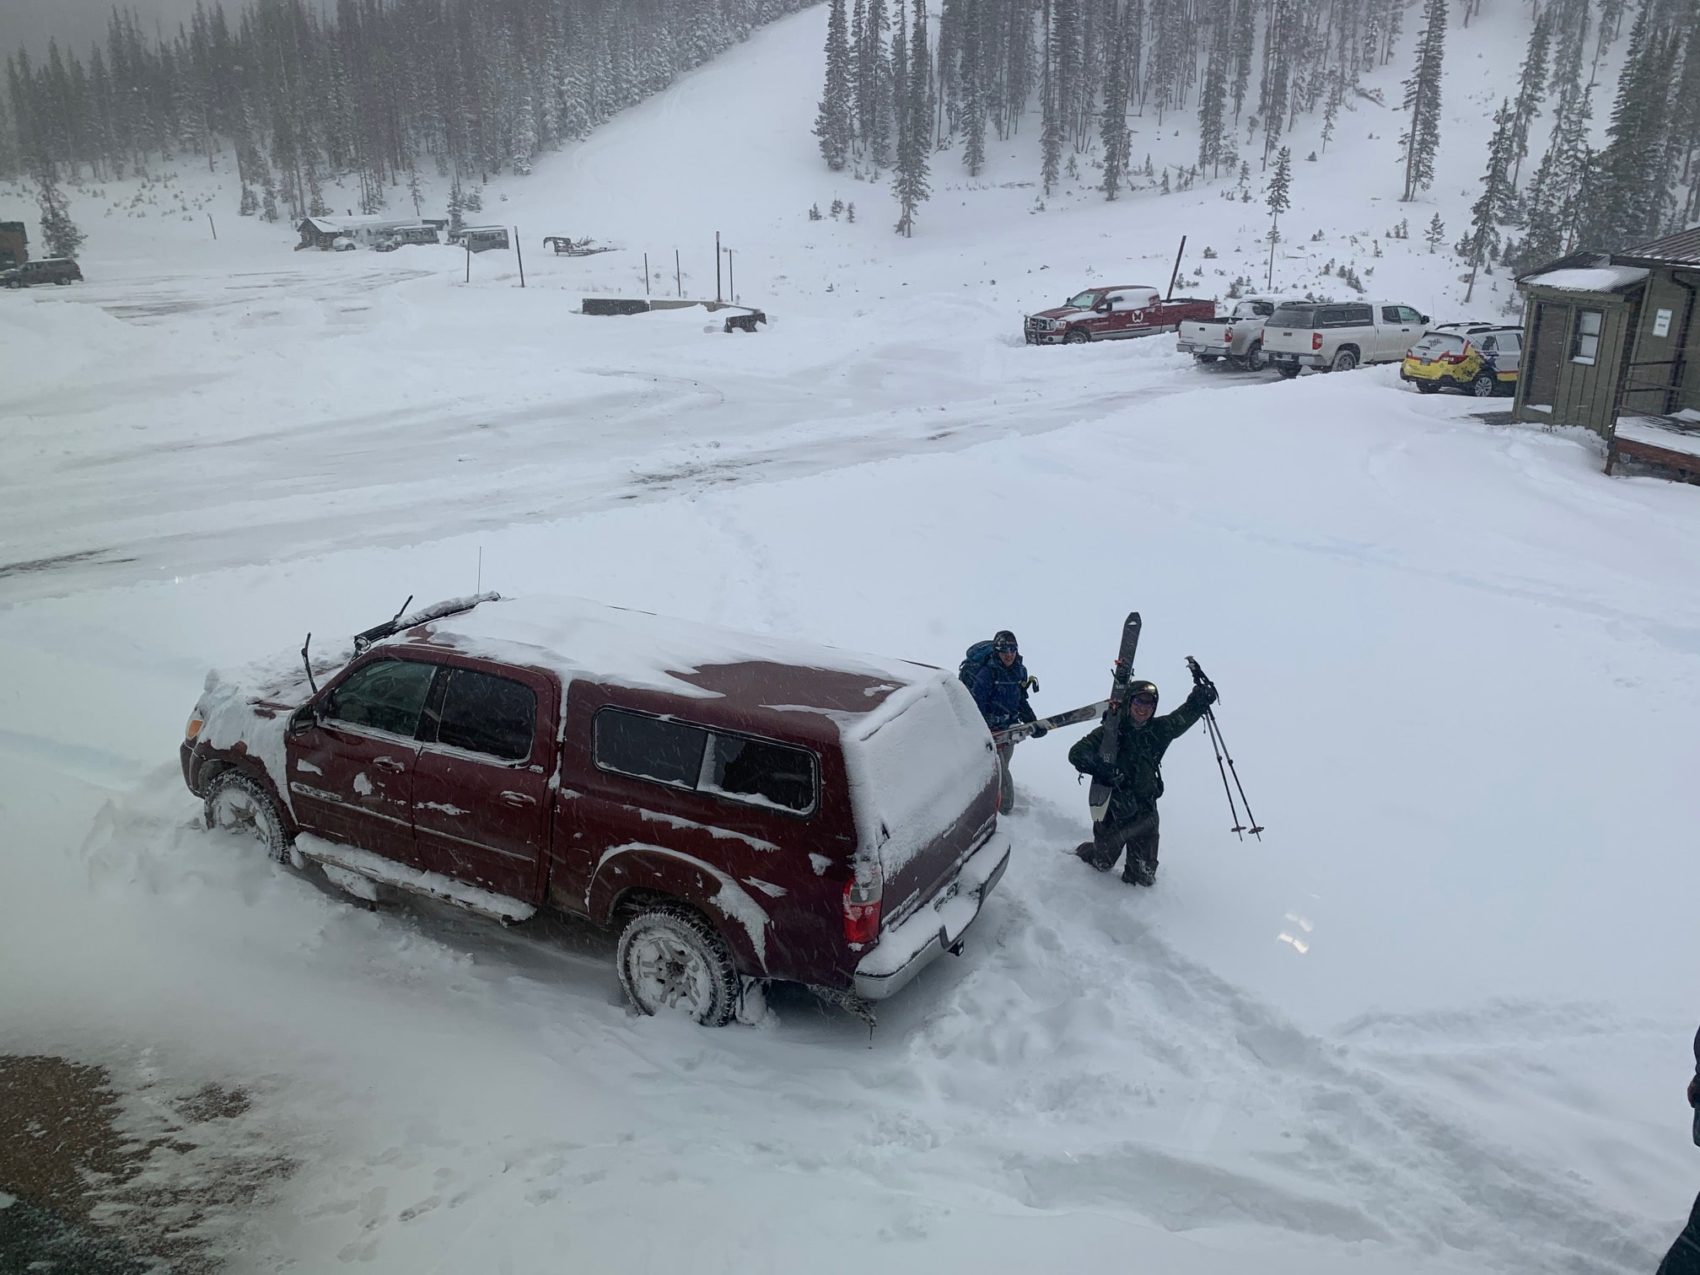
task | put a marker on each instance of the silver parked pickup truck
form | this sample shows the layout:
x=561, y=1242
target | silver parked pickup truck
x=1336, y=336
x=1236, y=336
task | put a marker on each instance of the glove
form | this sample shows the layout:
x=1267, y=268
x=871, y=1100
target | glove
x=1203, y=695
x=1039, y=732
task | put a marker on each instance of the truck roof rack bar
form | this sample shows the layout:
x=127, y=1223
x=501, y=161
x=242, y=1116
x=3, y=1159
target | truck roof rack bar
x=436, y=611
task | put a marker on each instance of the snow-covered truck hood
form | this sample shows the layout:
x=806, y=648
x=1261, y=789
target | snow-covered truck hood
x=1060, y=312
x=247, y=709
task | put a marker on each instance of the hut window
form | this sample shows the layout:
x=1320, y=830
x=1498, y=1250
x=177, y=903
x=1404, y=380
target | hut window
x=1585, y=346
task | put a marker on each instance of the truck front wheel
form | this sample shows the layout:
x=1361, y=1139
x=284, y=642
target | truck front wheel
x=1288, y=370
x=1205, y=358
x=1077, y=336
x=239, y=803
x=671, y=960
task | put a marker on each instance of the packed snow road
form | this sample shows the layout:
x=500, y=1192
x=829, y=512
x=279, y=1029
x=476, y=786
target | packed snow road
x=307, y=460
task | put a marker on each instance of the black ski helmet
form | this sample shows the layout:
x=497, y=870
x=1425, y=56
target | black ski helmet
x=1004, y=640
x=1140, y=687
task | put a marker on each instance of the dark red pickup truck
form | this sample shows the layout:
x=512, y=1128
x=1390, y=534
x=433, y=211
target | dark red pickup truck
x=1113, y=311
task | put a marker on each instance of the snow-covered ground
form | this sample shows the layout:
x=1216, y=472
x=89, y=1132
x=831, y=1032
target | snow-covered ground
x=1436, y=1021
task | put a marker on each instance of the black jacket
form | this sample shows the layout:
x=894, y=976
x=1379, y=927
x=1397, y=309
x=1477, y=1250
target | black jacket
x=1137, y=778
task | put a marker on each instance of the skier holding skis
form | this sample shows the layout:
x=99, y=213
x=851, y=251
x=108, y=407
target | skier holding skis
x=999, y=686
x=1135, y=778
x=1684, y=1255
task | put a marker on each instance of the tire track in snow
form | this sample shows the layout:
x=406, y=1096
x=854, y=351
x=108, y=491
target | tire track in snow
x=1077, y=971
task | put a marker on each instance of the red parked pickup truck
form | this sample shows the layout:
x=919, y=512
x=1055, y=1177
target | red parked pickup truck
x=741, y=809
x=1113, y=311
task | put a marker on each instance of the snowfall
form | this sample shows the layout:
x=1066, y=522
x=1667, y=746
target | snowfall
x=1437, y=1020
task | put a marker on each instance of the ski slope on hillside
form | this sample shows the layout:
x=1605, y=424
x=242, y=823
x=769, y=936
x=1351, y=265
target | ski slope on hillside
x=1436, y=1022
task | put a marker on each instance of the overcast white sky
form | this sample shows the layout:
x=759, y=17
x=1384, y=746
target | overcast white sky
x=78, y=23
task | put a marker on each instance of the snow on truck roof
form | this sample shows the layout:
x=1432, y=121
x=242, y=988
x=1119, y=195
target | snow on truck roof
x=759, y=677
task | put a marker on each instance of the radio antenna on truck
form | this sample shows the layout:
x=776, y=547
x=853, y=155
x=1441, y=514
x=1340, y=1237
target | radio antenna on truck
x=309, y=663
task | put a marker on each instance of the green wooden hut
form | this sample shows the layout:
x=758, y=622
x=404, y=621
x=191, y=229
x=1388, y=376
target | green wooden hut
x=1609, y=335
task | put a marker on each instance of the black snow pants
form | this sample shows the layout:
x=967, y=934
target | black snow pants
x=1138, y=836
x=1684, y=1255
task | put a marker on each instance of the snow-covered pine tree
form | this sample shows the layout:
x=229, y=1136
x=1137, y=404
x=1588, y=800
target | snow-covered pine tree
x=1531, y=88
x=1436, y=233
x=1629, y=197
x=1278, y=200
x=1213, y=101
x=457, y=207
x=59, y=233
x=1242, y=44
x=1422, y=100
x=971, y=79
x=833, y=121
x=1051, y=123
x=1685, y=119
x=1114, y=132
x=1331, y=112
x=914, y=120
x=1496, y=203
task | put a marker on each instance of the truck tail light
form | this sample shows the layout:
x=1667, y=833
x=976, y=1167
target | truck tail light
x=862, y=904
x=1316, y=340
x=1227, y=336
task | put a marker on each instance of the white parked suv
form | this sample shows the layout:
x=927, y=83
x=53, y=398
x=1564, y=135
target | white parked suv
x=1336, y=336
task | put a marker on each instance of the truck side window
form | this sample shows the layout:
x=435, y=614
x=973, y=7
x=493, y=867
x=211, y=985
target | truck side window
x=483, y=713
x=756, y=770
x=631, y=743
x=387, y=695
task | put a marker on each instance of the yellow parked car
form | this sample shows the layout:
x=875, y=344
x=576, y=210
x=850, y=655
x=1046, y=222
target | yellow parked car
x=1476, y=359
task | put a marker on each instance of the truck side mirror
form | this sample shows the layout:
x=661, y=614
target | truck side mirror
x=303, y=719
x=1101, y=307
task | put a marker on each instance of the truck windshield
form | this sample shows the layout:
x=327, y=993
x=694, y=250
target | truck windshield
x=1083, y=300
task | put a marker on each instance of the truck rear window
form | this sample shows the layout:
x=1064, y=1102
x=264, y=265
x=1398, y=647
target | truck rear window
x=732, y=767
x=1293, y=316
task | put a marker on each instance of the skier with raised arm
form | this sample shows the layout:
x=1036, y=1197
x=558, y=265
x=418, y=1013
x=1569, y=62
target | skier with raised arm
x=1134, y=777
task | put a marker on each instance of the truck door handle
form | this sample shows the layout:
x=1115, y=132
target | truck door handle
x=518, y=799
x=390, y=764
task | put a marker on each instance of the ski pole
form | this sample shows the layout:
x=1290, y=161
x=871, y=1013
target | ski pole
x=1220, y=744
x=1256, y=828
x=1210, y=730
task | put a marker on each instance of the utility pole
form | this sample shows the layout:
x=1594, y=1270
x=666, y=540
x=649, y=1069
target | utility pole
x=520, y=257
x=731, y=276
x=678, y=279
x=717, y=267
x=646, y=274
x=214, y=226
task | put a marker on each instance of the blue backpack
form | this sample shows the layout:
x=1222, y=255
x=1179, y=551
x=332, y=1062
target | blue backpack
x=979, y=655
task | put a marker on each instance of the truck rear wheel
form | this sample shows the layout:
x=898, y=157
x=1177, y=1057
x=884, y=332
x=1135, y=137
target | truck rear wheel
x=1205, y=358
x=1288, y=370
x=1077, y=336
x=1254, y=360
x=671, y=961
x=1344, y=361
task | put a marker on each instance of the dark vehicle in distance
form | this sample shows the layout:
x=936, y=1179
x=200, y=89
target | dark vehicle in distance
x=741, y=809
x=42, y=270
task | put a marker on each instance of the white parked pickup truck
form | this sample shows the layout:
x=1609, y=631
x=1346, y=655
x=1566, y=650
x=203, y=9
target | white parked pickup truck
x=1336, y=336
x=1236, y=336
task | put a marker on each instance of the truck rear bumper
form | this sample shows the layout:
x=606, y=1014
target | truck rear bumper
x=934, y=928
